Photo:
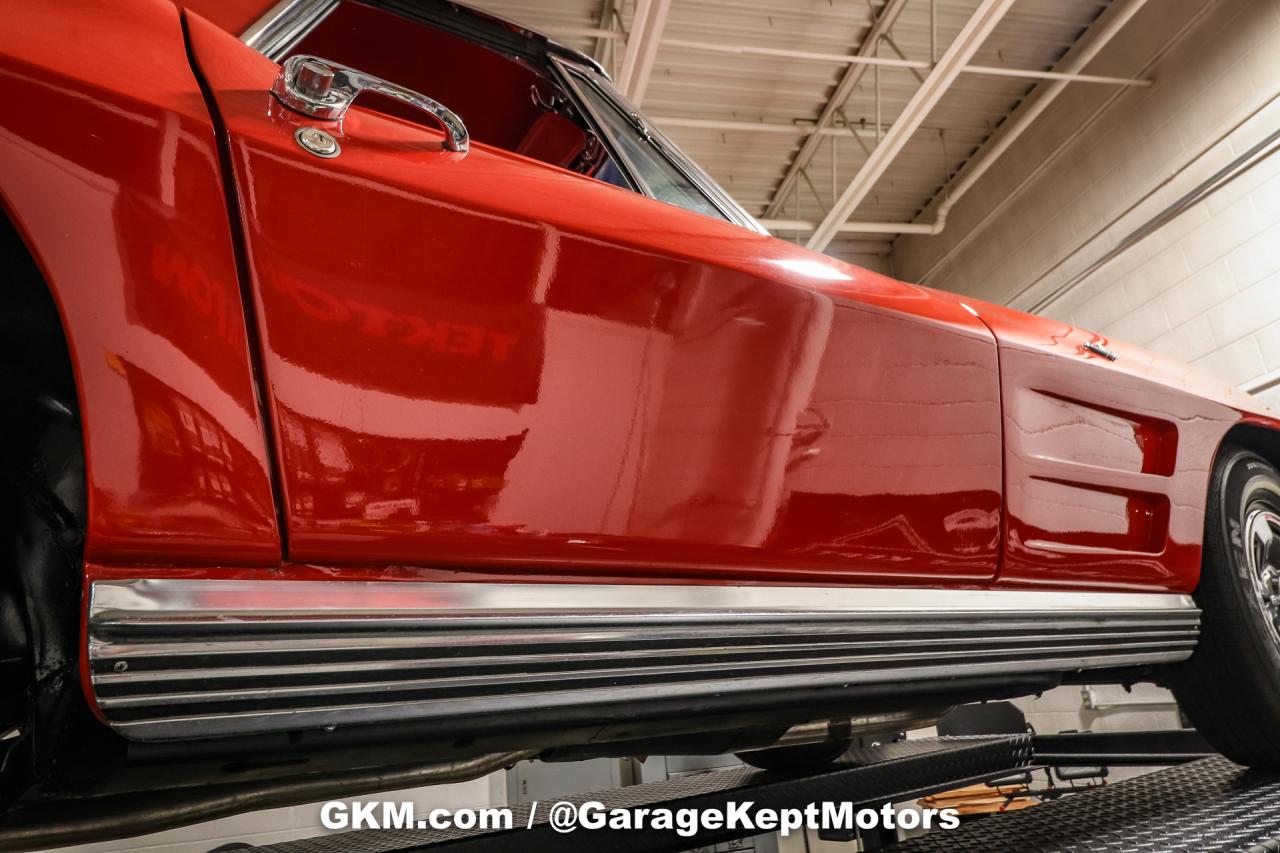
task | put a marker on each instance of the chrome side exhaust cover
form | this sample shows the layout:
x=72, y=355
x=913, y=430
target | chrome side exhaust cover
x=175, y=659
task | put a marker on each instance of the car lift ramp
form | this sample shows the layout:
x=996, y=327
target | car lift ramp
x=1206, y=803
x=1210, y=804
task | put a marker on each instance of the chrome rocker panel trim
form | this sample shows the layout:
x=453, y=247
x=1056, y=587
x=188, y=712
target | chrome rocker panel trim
x=179, y=658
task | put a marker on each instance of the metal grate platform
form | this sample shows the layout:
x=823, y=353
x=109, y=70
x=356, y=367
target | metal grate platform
x=891, y=772
x=1207, y=805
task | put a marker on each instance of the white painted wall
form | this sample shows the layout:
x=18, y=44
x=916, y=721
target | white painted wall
x=1205, y=288
x=868, y=254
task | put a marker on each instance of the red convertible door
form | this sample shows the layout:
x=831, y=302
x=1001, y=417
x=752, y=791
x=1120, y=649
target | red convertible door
x=482, y=361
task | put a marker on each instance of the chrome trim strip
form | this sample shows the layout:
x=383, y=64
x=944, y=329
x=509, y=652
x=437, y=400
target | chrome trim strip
x=182, y=658
x=1151, y=638
x=209, y=691
x=284, y=24
x=177, y=727
x=555, y=601
x=246, y=653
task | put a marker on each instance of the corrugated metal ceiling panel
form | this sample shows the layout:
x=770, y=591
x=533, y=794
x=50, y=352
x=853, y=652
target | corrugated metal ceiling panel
x=703, y=84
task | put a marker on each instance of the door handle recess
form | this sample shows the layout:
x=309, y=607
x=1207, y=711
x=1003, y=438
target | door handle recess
x=324, y=89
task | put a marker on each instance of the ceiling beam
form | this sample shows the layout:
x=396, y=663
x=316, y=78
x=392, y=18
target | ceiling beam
x=914, y=65
x=1064, y=76
x=852, y=77
x=1106, y=27
x=598, y=33
x=1101, y=32
x=805, y=225
x=786, y=53
x=603, y=42
x=761, y=126
x=948, y=68
x=642, y=48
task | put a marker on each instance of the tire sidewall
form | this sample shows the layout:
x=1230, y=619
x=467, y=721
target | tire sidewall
x=1247, y=480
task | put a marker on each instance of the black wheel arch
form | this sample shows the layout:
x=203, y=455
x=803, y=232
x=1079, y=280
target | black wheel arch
x=43, y=511
x=1248, y=436
x=1261, y=440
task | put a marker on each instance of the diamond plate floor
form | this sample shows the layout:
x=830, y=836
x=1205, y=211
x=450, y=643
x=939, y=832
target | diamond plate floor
x=1207, y=805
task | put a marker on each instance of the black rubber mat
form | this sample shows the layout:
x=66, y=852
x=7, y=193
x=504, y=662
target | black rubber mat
x=1207, y=805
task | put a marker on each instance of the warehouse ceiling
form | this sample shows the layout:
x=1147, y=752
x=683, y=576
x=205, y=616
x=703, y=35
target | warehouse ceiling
x=741, y=84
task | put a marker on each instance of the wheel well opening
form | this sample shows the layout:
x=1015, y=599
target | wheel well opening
x=42, y=514
x=1262, y=441
x=32, y=340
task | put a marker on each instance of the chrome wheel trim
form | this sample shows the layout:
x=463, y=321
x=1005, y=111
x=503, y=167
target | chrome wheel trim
x=1262, y=551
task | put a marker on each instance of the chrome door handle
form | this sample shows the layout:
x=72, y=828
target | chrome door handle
x=324, y=89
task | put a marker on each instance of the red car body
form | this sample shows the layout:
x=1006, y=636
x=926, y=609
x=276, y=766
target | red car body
x=355, y=316
x=407, y=365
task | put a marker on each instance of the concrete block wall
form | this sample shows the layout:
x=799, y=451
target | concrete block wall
x=1205, y=287
x=1212, y=298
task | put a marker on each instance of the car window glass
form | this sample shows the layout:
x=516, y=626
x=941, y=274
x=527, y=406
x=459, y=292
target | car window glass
x=664, y=181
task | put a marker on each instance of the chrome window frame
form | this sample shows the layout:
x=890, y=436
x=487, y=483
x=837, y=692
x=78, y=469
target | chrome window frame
x=284, y=25
x=573, y=75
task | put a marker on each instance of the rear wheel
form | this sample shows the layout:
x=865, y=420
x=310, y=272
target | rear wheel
x=1230, y=687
